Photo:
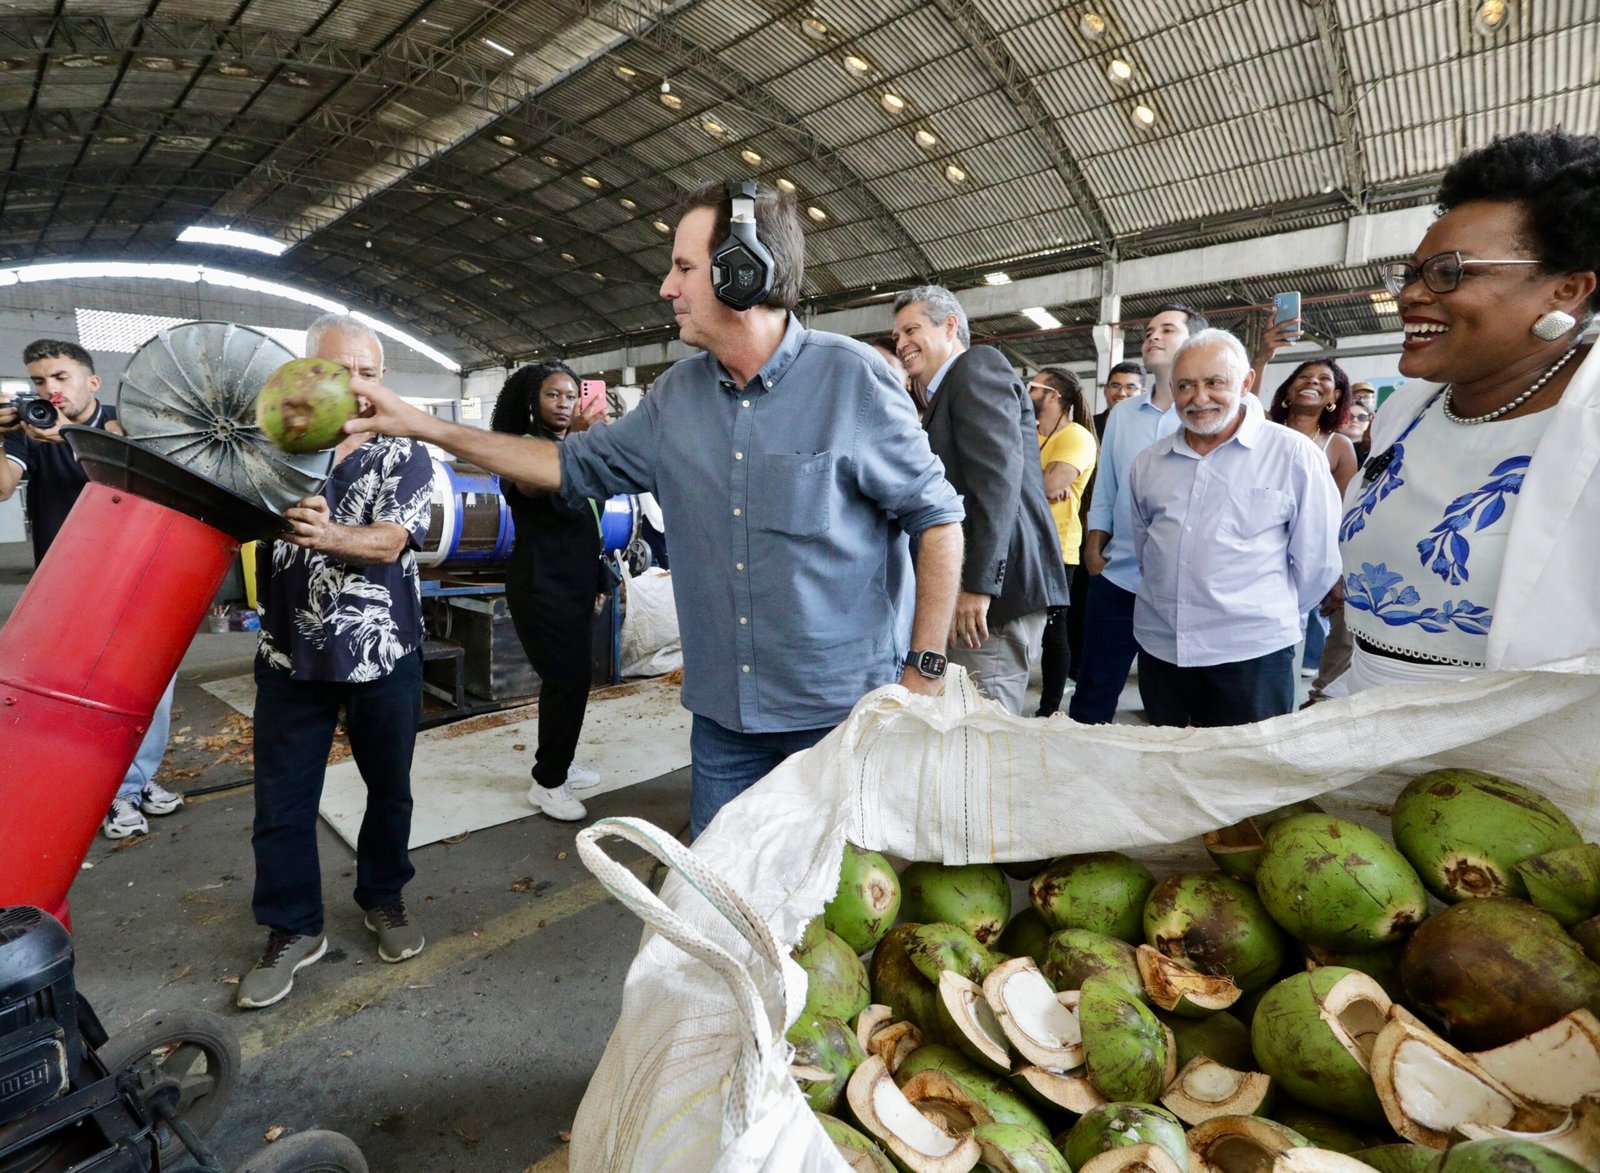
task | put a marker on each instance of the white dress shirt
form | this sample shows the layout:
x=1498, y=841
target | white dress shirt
x=1234, y=546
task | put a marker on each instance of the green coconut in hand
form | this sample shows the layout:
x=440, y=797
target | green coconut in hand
x=304, y=405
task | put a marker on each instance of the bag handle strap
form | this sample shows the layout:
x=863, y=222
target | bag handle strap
x=761, y=1027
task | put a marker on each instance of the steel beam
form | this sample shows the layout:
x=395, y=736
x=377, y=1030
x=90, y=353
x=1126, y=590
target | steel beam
x=1344, y=103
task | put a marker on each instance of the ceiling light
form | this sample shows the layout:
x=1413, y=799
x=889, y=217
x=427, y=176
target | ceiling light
x=502, y=221
x=569, y=258
x=116, y=140
x=1042, y=318
x=1384, y=302
x=498, y=47
x=464, y=205
x=590, y=181
x=788, y=185
x=598, y=276
x=626, y=72
x=79, y=61
x=926, y=139
x=954, y=173
x=158, y=64
x=661, y=226
x=535, y=238
x=235, y=69
x=1491, y=16
x=857, y=65
x=751, y=157
x=299, y=80
x=501, y=283
x=997, y=278
x=814, y=28
x=1092, y=25
x=892, y=102
x=714, y=128
x=631, y=205
x=550, y=160
x=672, y=101
x=816, y=213
x=233, y=238
x=1143, y=116
x=505, y=140
x=1119, y=70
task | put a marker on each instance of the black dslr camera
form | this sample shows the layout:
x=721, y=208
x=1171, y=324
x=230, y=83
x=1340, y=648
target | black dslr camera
x=35, y=410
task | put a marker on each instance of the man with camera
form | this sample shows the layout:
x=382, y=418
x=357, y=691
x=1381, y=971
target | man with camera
x=64, y=392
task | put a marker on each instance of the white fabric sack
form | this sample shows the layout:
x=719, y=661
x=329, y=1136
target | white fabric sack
x=650, y=645
x=956, y=779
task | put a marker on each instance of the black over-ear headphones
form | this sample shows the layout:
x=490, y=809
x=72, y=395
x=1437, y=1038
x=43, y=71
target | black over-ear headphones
x=741, y=266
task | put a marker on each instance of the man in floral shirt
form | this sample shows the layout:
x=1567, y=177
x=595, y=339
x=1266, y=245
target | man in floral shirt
x=341, y=629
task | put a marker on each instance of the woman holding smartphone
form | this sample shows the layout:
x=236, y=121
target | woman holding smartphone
x=551, y=586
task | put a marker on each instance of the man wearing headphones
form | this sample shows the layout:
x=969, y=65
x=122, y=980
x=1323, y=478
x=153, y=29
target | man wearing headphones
x=780, y=457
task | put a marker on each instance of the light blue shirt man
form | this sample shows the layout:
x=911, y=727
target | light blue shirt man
x=1235, y=545
x=1133, y=425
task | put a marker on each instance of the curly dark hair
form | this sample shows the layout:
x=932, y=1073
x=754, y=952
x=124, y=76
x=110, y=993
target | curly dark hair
x=1555, y=176
x=517, y=409
x=1332, y=418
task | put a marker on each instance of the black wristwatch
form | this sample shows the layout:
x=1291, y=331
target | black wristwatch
x=930, y=664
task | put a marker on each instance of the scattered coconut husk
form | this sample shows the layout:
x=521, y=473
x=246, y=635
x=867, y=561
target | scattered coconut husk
x=1428, y=1088
x=1205, y=1089
x=920, y=1143
x=942, y=1099
x=872, y=1019
x=1577, y=1137
x=1038, y=1025
x=894, y=1042
x=1556, y=1066
x=1133, y=1158
x=1177, y=986
x=1067, y=1089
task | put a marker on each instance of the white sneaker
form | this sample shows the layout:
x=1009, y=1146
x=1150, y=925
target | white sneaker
x=124, y=819
x=579, y=778
x=158, y=800
x=558, y=803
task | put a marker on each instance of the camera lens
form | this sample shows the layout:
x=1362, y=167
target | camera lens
x=40, y=413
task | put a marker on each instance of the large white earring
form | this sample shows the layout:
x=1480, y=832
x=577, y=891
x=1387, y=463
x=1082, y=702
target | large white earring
x=1553, y=325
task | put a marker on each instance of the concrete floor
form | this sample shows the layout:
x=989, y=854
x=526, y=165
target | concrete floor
x=472, y=1056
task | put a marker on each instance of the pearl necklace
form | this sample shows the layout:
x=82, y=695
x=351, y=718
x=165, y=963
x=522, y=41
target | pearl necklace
x=1514, y=404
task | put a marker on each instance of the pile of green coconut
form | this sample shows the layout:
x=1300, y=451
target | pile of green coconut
x=1305, y=1008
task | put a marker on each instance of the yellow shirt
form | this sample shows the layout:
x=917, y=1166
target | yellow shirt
x=1071, y=444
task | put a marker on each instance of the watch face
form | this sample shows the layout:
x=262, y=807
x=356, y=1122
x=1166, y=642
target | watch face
x=931, y=664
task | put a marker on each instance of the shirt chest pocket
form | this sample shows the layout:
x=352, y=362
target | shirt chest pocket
x=791, y=493
x=1250, y=513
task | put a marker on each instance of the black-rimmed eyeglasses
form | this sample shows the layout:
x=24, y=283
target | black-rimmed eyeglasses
x=1441, y=273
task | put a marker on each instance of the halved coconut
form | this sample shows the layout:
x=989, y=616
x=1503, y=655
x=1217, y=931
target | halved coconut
x=1556, y=1066
x=1133, y=1158
x=1427, y=1087
x=1205, y=1089
x=1240, y=1144
x=1173, y=985
x=1033, y=1018
x=894, y=1042
x=978, y=1031
x=1577, y=1137
x=874, y=1018
x=922, y=1144
x=1067, y=1089
x=943, y=1100
x=1356, y=1009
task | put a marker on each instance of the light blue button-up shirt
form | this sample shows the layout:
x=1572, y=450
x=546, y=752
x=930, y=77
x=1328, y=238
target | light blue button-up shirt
x=1235, y=545
x=1133, y=425
x=778, y=498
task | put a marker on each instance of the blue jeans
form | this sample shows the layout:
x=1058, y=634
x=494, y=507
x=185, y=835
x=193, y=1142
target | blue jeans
x=1108, y=652
x=294, y=726
x=1316, y=638
x=151, y=750
x=1215, y=695
x=726, y=764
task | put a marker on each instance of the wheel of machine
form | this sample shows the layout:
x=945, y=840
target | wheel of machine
x=190, y=1059
x=316, y=1151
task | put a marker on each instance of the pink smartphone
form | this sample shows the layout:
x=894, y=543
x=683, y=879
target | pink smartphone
x=590, y=392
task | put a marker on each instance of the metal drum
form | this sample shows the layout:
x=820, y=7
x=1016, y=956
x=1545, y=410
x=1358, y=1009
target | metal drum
x=471, y=524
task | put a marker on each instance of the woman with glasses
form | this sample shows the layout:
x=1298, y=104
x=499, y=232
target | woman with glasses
x=1468, y=538
x=1067, y=452
x=1355, y=430
x=551, y=586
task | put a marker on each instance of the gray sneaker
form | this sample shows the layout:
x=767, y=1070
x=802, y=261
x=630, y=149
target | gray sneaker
x=398, y=938
x=273, y=976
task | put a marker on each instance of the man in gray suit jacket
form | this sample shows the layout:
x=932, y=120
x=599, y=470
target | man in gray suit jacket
x=980, y=424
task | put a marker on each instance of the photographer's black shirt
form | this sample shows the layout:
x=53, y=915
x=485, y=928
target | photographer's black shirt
x=55, y=478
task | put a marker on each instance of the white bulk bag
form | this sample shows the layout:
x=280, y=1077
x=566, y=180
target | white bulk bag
x=692, y=1076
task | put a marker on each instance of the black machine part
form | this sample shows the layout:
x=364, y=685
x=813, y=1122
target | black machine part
x=40, y=1045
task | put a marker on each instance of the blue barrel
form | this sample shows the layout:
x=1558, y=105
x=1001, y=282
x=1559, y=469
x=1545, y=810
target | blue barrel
x=619, y=523
x=471, y=523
